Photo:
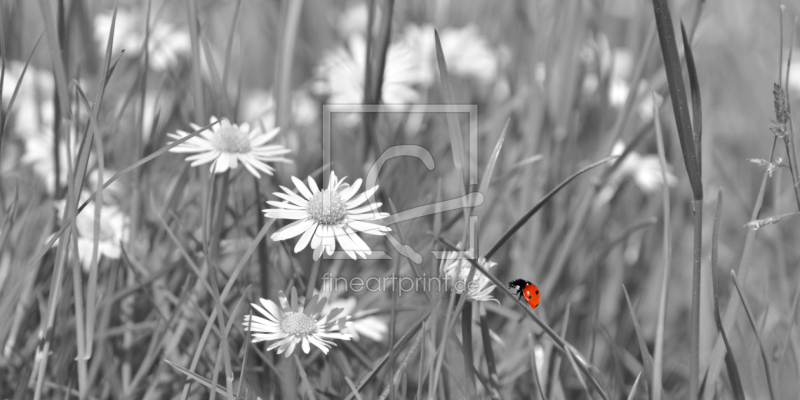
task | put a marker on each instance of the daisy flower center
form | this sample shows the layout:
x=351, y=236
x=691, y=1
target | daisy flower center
x=231, y=140
x=327, y=208
x=298, y=324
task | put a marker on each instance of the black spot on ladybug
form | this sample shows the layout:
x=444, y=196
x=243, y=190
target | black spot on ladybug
x=537, y=292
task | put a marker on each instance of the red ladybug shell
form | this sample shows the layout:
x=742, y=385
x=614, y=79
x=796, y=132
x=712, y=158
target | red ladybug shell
x=531, y=293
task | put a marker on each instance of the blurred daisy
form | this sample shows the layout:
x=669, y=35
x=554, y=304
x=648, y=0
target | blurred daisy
x=225, y=145
x=292, y=324
x=327, y=216
x=167, y=44
x=258, y=107
x=643, y=170
x=455, y=269
x=114, y=230
x=354, y=20
x=466, y=51
x=362, y=323
x=342, y=74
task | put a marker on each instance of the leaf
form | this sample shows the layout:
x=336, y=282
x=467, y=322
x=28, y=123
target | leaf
x=672, y=64
x=694, y=86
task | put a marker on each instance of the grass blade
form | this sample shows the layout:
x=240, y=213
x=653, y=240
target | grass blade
x=694, y=86
x=382, y=361
x=647, y=360
x=491, y=365
x=453, y=128
x=635, y=386
x=466, y=335
x=677, y=90
x=758, y=336
x=534, y=368
x=514, y=228
x=730, y=362
x=656, y=388
x=672, y=64
x=197, y=378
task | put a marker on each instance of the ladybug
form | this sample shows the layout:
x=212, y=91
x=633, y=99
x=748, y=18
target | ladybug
x=528, y=289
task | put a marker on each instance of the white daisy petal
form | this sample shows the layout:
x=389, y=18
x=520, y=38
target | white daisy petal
x=325, y=217
x=228, y=145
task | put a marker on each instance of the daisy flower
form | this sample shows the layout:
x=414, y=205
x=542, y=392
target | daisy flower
x=258, y=107
x=467, y=52
x=326, y=216
x=455, y=269
x=291, y=324
x=224, y=145
x=167, y=45
x=342, y=74
x=643, y=170
x=113, y=231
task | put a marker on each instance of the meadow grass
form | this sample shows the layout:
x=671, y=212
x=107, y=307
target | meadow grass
x=127, y=272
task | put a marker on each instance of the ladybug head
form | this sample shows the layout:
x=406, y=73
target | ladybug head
x=519, y=283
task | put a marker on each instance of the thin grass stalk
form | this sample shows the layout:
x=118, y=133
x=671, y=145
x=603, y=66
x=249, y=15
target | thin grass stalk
x=491, y=365
x=397, y=347
x=788, y=138
x=229, y=47
x=80, y=333
x=658, y=362
x=733, y=370
x=571, y=357
x=395, y=381
x=677, y=90
x=534, y=368
x=197, y=78
x=393, y=327
x=559, y=343
x=96, y=137
x=731, y=310
x=635, y=386
x=764, y=355
x=246, y=353
x=283, y=73
x=467, y=352
x=448, y=324
x=514, y=228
